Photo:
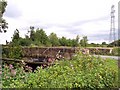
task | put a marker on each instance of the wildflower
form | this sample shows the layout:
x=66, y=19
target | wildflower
x=10, y=66
x=44, y=65
x=49, y=59
x=6, y=77
x=60, y=56
x=26, y=66
x=23, y=76
x=23, y=62
x=72, y=66
x=13, y=72
x=38, y=67
x=85, y=51
x=29, y=68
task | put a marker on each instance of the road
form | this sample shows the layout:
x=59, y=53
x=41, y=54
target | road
x=112, y=57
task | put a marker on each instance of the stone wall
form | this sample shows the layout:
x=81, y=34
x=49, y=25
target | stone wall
x=49, y=52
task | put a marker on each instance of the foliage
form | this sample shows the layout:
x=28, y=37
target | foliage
x=63, y=41
x=24, y=42
x=12, y=52
x=84, y=41
x=32, y=34
x=39, y=37
x=115, y=43
x=15, y=38
x=77, y=40
x=103, y=43
x=3, y=24
x=83, y=71
x=19, y=41
x=54, y=39
x=14, y=75
x=116, y=51
x=94, y=45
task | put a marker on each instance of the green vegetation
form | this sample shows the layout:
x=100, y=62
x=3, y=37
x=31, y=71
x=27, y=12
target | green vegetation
x=3, y=24
x=116, y=51
x=12, y=52
x=38, y=37
x=115, y=43
x=83, y=71
x=84, y=41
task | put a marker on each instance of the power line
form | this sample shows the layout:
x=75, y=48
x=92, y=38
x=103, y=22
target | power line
x=112, y=26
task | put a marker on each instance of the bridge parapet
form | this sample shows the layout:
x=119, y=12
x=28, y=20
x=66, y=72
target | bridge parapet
x=103, y=51
x=49, y=52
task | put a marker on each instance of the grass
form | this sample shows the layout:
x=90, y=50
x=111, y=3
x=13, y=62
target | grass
x=112, y=63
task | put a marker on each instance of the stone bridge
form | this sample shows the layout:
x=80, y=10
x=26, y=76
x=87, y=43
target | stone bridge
x=57, y=52
x=34, y=56
x=100, y=50
x=54, y=52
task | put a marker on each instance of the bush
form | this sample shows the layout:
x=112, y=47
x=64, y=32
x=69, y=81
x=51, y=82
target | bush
x=12, y=52
x=116, y=51
x=14, y=75
x=83, y=71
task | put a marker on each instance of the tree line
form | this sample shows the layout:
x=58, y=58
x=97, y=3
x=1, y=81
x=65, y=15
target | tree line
x=38, y=37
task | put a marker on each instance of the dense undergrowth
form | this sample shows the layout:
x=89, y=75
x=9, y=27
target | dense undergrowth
x=83, y=71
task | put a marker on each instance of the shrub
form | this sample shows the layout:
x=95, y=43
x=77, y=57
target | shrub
x=12, y=52
x=13, y=75
x=116, y=51
x=83, y=71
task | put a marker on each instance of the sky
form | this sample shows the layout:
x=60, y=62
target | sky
x=67, y=18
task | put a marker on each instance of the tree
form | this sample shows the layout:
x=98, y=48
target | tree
x=63, y=41
x=76, y=41
x=54, y=39
x=41, y=36
x=69, y=42
x=84, y=41
x=15, y=38
x=115, y=43
x=3, y=24
x=32, y=33
x=24, y=42
x=15, y=35
x=103, y=43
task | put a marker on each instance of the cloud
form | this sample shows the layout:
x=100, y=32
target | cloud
x=64, y=17
x=91, y=20
x=12, y=10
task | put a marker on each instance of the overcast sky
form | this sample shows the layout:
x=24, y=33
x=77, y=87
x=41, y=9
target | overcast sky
x=67, y=18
